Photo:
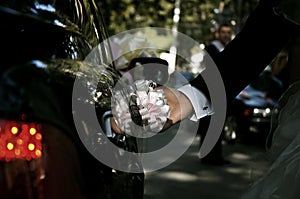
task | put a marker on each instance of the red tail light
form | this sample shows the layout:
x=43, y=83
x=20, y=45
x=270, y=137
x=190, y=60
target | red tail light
x=20, y=140
x=21, y=165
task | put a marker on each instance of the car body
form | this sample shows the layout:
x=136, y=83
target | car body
x=44, y=44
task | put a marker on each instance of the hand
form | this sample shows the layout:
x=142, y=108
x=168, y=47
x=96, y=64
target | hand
x=115, y=127
x=180, y=108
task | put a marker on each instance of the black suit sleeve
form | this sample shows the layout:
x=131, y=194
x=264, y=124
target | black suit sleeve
x=254, y=47
x=212, y=51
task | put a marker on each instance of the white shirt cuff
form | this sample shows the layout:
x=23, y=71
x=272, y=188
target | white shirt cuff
x=198, y=100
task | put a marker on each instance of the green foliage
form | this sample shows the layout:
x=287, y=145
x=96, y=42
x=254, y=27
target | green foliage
x=196, y=16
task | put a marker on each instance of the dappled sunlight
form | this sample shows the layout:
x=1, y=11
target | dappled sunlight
x=179, y=176
x=209, y=176
x=189, y=178
x=240, y=156
x=237, y=170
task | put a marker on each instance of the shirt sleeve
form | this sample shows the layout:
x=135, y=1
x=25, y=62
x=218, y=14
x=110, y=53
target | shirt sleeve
x=198, y=100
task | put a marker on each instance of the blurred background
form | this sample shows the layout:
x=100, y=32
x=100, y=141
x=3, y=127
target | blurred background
x=199, y=19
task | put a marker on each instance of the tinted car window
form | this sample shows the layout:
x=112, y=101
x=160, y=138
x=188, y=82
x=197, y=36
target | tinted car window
x=45, y=26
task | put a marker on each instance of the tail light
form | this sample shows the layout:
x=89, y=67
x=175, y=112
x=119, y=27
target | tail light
x=21, y=165
x=20, y=140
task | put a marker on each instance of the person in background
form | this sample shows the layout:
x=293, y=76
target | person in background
x=223, y=37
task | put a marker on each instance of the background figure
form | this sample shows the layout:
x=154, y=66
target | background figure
x=223, y=37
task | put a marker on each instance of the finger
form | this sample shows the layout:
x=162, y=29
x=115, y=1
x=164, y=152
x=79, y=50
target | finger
x=115, y=127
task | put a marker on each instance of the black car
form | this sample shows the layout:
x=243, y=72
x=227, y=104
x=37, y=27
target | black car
x=249, y=116
x=43, y=45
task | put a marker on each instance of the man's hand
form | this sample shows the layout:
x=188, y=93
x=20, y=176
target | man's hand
x=180, y=108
